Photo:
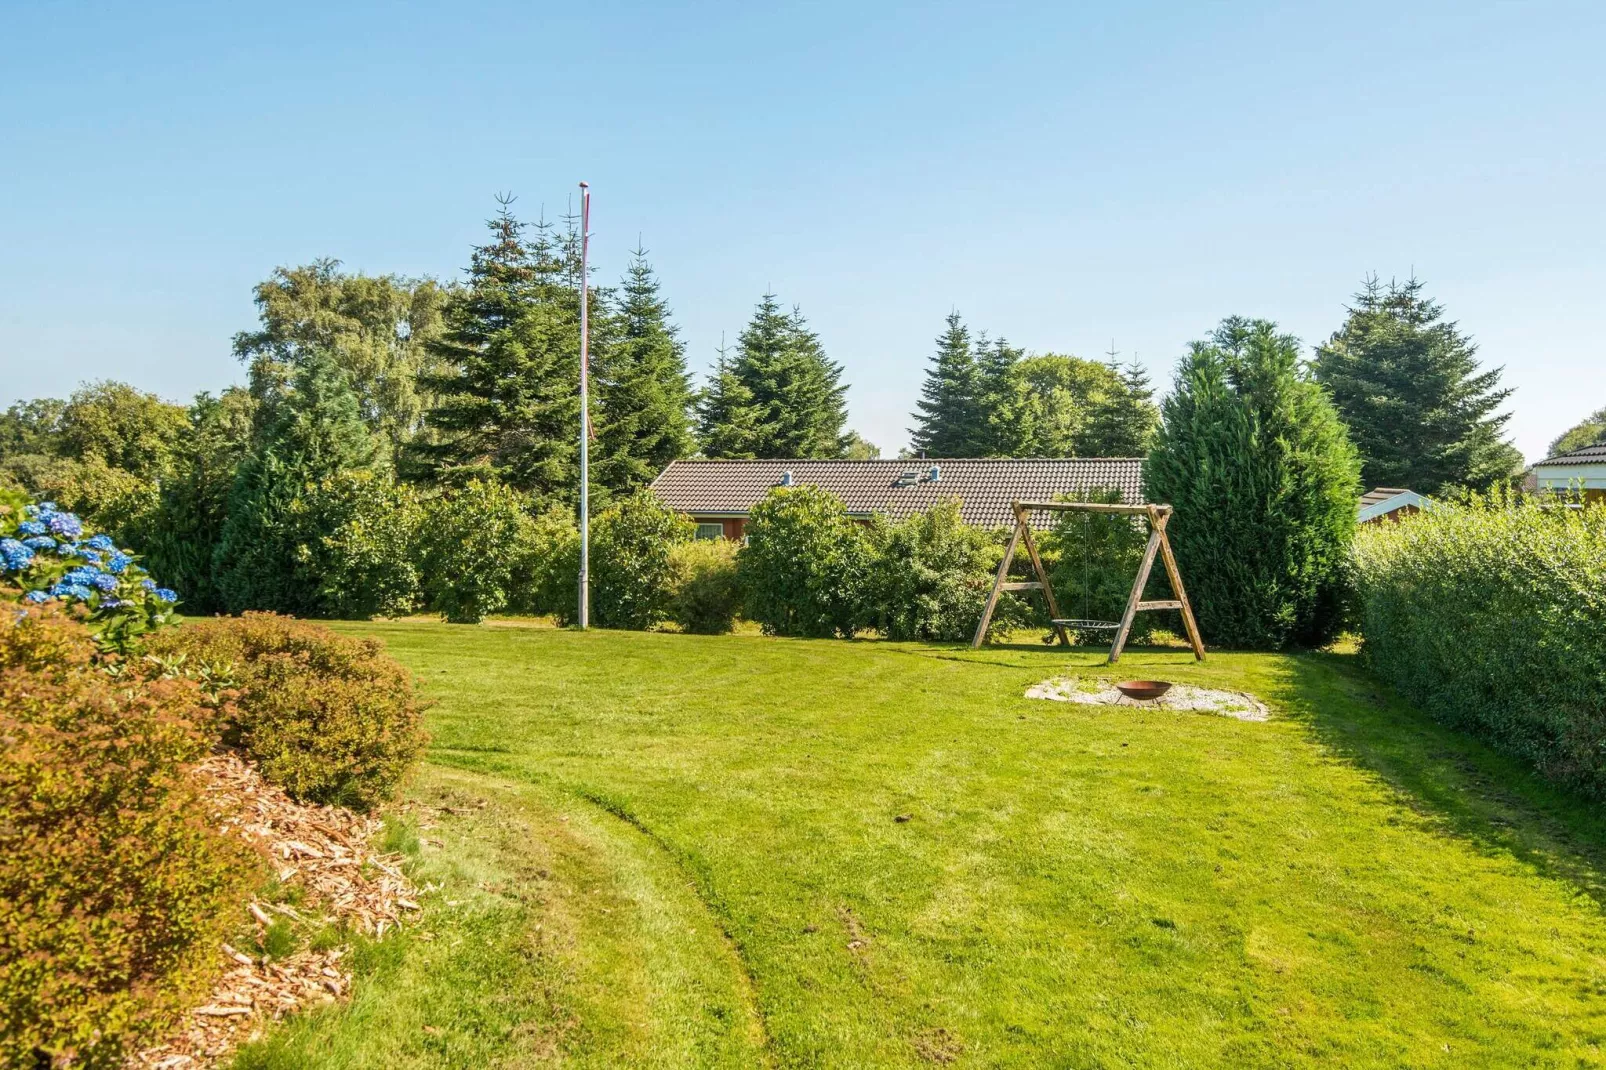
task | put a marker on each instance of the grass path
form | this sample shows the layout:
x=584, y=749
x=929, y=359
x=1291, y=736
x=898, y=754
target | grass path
x=1073, y=886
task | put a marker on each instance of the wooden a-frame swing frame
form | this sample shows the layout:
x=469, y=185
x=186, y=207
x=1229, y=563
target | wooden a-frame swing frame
x=1157, y=516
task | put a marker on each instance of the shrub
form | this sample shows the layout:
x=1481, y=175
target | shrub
x=1264, y=480
x=931, y=576
x=473, y=541
x=362, y=528
x=806, y=565
x=707, y=592
x=632, y=577
x=330, y=718
x=544, y=580
x=113, y=883
x=1491, y=617
x=46, y=555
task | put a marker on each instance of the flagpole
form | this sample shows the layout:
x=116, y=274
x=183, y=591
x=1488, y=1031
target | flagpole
x=585, y=411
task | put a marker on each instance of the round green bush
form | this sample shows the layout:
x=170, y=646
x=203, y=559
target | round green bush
x=806, y=566
x=707, y=591
x=931, y=576
x=473, y=542
x=330, y=718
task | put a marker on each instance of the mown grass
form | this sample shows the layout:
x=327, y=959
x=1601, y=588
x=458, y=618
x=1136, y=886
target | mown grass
x=1346, y=884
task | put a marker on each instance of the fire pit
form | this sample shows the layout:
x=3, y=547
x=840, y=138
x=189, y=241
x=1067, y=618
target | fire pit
x=1143, y=690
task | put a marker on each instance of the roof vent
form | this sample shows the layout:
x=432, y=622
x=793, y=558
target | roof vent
x=934, y=473
x=786, y=478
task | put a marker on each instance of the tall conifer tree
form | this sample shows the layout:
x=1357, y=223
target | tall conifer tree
x=642, y=387
x=1408, y=385
x=1124, y=419
x=727, y=419
x=947, y=412
x=507, y=395
x=797, y=392
x=1004, y=422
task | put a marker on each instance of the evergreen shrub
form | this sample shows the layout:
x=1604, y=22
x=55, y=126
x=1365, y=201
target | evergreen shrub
x=1492, y=617
x=707, y=590
x=113, y=882
x=632, y=574
x=1265, y=481
x=474, y=542
x=329, y=718
x=362, y=528
x=806, y=566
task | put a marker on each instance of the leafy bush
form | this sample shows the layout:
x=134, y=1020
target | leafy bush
x=707, y=591
x=113, y=883
x=632, y=577
x=46, y=555
x=1265, y=482
x=330, y=718
x=473, y=542
x=363, y=561
x=1491, y=616
x=931, y=576
x=806, y=566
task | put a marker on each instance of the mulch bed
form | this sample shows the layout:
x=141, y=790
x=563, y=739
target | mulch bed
x=326, y=852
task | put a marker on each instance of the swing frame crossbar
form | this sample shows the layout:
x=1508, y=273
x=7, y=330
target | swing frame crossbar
x=1159, y=544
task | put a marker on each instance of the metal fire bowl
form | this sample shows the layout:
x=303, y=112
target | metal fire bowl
x=1143, y=690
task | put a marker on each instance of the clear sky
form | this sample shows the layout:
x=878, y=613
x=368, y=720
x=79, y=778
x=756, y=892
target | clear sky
x=1064, y=174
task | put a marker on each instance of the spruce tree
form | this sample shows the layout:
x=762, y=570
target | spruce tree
x=1407, y=383
x=797, y=392
x=727, y=419
x=1123, y=420
x=947, y=412
x=507, y=401
x=644, y=393
x=1264, y=480
x=265, y=545
x=1004, y=426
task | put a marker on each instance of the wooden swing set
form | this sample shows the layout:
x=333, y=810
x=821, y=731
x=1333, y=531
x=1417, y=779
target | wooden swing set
x=1157, y=517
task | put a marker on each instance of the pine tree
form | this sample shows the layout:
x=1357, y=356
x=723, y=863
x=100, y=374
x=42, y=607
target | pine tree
x=1004, y=426
x=947, y=415
x=507, y=395
x=797, y=392
x=727, y=419
x=642, y=387
x=1124, y=419
x=1407, y=383
x=264, y=547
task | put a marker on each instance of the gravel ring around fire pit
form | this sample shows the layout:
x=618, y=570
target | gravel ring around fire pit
x=1095, y=692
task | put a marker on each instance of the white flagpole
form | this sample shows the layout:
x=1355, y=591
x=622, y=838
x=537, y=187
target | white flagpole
x=585, y=411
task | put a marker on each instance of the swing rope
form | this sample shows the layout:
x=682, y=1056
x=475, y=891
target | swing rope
x=1085, y=623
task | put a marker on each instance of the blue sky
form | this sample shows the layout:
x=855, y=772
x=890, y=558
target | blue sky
x=1063, y=174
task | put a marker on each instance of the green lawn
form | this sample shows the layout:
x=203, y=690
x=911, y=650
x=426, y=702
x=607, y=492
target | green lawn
x=689, y=854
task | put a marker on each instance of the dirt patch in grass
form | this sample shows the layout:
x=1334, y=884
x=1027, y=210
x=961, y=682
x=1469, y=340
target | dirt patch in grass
x=1094, y=692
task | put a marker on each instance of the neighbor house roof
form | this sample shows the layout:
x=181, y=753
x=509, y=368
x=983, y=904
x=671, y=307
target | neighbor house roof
x=1583, y=469
x=985, y=487
x=1587, y=455
x=1381, y=501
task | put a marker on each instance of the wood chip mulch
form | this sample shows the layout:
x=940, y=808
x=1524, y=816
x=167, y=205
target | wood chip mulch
x=325, y=851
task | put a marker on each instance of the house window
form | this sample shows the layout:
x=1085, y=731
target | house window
x=711, y=531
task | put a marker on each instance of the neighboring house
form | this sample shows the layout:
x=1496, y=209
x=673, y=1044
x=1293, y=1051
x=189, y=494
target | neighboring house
x=1583, y=470
x=1391, y=503
x=718, y=495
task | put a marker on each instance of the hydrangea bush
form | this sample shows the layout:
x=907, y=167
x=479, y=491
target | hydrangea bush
x=46, y=555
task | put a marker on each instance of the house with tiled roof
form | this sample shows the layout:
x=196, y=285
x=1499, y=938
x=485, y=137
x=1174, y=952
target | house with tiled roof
x=1581, y=470
x=719, y=495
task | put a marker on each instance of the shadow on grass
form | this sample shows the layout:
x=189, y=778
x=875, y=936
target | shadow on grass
x=1466, y=787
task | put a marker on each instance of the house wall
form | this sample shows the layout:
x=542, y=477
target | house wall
x=733, y=525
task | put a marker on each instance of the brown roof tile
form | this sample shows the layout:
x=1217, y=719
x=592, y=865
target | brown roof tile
x=985, y=487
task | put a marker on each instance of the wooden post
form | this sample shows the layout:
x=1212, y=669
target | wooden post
x=998, y=585
x=1136, y=596
x=1159, y=520
x=1042, y=573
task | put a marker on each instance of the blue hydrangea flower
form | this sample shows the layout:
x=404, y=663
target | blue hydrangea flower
x=15, y=555
x=100, y=542
x=65, y=524
x=37, y=596
x=80, y=575
x=71, y=590
x=31, y=527
x=105, y=581
x=88, y=555
x=112, y=603
x=117, y=562
x=40, y=542
x=148, y=584
x=166, y=594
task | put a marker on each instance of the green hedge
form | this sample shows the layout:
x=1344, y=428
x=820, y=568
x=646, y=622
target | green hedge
x=707, y=589
x=1492, y=616
x=931, y=576
x=806, y=566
